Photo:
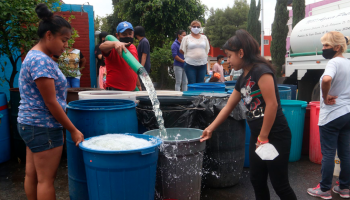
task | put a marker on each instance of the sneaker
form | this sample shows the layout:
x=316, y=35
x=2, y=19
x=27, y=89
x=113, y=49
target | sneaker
x=317, y=192
x=344, y=193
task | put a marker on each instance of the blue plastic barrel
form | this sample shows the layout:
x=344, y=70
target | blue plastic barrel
x=285, y=92
x=293, y=88
x=230, y=83
x=5, y=148
x=123, y=175
x=206, y=87
x=95, y=117
x=294, y=111
x=247, y=142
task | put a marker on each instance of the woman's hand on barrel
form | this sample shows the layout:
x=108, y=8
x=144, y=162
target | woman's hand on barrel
x=207, y=133
x=77, y=137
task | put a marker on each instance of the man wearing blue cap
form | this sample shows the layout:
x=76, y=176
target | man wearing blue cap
x=120, y=76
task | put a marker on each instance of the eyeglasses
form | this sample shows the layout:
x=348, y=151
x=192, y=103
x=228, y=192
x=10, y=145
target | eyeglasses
x=196, y=27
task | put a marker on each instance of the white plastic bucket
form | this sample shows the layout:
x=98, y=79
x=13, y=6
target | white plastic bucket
x=160, y=93
x=107, y=95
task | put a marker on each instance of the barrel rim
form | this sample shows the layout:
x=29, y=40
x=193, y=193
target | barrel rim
x=148, y=137
x=207, y=85
x=288, y=102
x=177, y=141
x=74, y=105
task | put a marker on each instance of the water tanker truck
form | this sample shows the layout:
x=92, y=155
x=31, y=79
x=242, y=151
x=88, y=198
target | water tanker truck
x=305, y=64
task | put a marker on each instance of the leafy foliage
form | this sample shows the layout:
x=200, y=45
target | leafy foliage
x=160, y=18
x=101, y=23
x=279, y=34
x=298, y=11
x=254, y=25
x=18, y=30
x=162, y=66
x=222, y=24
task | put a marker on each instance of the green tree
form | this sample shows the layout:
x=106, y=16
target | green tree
x=18, y=31
x=104, y=25
x=279, y=35
x=222, y=24
x=254, y=25
x=298, y=11
x=160, y=18
x=101, y=23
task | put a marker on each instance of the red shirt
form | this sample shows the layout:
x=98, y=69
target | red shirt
x=119, y=73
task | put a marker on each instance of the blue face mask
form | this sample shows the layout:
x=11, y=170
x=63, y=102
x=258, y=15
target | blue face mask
x=222, y=62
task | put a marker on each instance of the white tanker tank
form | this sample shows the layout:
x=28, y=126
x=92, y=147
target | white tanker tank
x=306, y=35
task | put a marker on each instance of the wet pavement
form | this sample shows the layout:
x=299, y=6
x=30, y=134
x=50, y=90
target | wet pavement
x=303, y=174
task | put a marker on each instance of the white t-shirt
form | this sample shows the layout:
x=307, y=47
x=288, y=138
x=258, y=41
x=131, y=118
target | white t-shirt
x=339, y=69
x=195, y=50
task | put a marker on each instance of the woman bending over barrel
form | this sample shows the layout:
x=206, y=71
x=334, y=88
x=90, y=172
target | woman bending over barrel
x=43, y=90
x=258, y=89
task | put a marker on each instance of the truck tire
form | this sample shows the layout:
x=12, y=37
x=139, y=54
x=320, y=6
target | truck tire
x=316, y=93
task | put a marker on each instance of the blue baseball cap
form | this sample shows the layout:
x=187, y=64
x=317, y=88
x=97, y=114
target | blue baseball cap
x=122, y=26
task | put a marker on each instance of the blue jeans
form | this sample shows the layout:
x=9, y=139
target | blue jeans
x=181, y=78
x=73, y=82
x=195, y=74
x=335, y=136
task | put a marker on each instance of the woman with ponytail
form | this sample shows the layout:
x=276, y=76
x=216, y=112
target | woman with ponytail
x=41, y=117
x=257, y=87
x=334, y=120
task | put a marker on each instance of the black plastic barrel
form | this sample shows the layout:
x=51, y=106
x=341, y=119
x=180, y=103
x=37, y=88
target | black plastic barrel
x=178, y=111
x=224, y=156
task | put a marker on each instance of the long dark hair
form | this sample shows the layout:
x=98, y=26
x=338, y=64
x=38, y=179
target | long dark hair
x=243, y=40
x=179, y=33
x=49, y=21
x=103, y=34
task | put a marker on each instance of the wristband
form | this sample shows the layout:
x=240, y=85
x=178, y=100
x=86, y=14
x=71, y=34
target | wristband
x=262, y=142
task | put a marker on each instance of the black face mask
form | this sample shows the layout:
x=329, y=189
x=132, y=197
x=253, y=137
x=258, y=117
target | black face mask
x=328, y=53
x=126, y=39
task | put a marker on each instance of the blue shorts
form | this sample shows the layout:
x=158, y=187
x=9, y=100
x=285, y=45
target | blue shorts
x=39, y=139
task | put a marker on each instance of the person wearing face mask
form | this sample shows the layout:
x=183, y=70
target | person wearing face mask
x=218, y=68
x=100, y=59
x=334, y=119
x=120, y=76
x=195, y=48
x=180, y=74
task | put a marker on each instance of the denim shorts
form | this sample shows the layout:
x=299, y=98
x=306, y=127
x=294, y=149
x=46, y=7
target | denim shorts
x=39, y=139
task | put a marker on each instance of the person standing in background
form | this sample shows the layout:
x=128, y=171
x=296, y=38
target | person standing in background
x=143, y=50
x=180, y=74
x=218, y=68
x=99, y=56
x=195, y=47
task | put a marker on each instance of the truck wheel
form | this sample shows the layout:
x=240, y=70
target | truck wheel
x=316, y=93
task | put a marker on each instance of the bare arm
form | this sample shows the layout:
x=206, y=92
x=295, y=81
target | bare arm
x=107, y=47
x=325, y=87
x=82, y=63
x=143, y=59
x=267, y=88
x=47, y=90
x=179, y=59
x=182, y=52
x=99, y=56
x=138, y=84
x=224, y=113
x=231, y=77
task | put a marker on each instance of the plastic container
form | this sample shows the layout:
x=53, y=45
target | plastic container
x=18, y=145
x=160, y=93
x=294, y=111
x=306, y=136
x=72, y=93
x=293, y=88
x=247, y=142
x=207, y=87
x=227, y=88
x=107, y=95
x=179, y=167
x=315, y=154
x=122, y=175
x=93, y=118
x=5, y=147
x=230, y=83
x=285, y=92
x=196, y=93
